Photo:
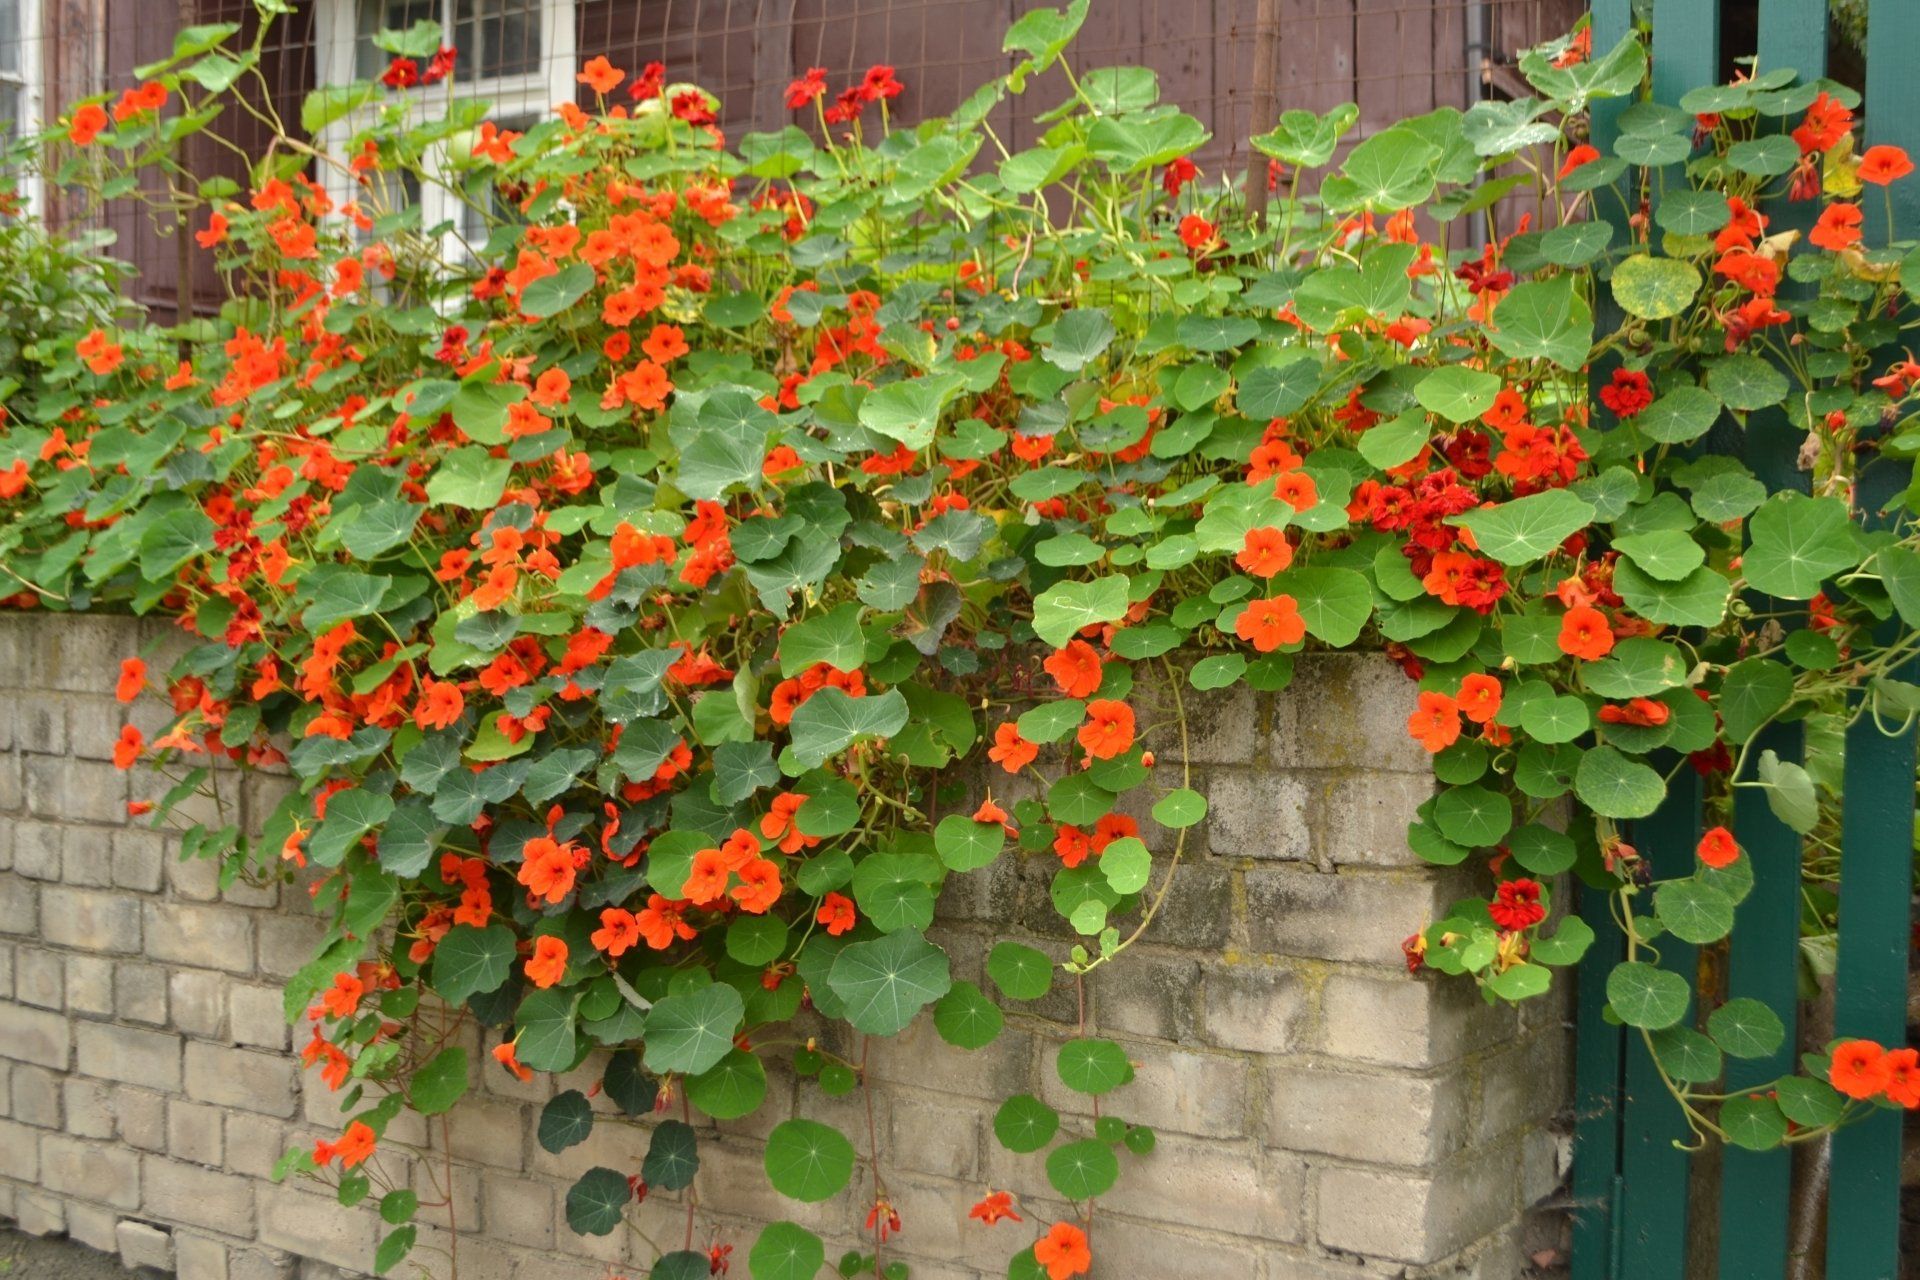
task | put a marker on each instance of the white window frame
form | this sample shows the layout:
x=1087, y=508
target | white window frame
x=31, y=42
x=516, y=97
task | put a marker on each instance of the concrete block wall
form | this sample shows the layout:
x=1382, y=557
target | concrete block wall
x=1322, y=1115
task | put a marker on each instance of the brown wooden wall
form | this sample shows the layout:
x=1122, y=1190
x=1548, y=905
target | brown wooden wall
x=1393, y=57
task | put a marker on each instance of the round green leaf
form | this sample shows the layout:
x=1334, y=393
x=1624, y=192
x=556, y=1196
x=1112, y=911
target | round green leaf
x=440, y=1083
x=1753, y=1122
x=786, y=1251
x=807, y=1160
x=1024, y=1123
x=1654, y=288
x=966, y=1018
x=1127, y=865
x=965, y=845
x=673, y=1156
x=567, y=1119
x=1020, y=972
x=1648, y=997
x=1082, y=1170
x=1686, y=1055
x=1616, y=787
x=1093, y=1066
x=596, y=1202
x=886, y=982
x=1180, y=808
x=1693, y=911
x=1474, y=816
x=688, y=1034
x=733, y=1087
x=756, y=940
x=1746, y=1028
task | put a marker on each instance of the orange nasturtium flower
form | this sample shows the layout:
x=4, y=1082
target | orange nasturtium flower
x=1479, y=697
x=504, y=1055
x=548, y=963
x=101, y=356
x=1860, y=1069
x=133, y=678
x=546, y=868
x=836, y=914
x=87, y=123
x=1435, y=723
x=1108, y=730
x=1264, y=552
x=1011, y=751
x=619, y=930
x=1838, y=228
x=1063, y=1252
x=601, y=76
x=127, y=750
x=1883, y=165
x=1584, y=633
x=1268, y=624
x=354, y=1147
x=1076, y=669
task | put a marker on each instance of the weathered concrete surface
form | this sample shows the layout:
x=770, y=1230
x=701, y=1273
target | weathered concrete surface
x=1322, y=1115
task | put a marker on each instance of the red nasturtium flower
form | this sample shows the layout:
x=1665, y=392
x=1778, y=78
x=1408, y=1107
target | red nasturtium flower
x=993, y=1207
x=1718, y=849
x=1627, y=392
x=1903, y=1077
x=1516, y=904
x=1108, y=730
x=1063, y=1252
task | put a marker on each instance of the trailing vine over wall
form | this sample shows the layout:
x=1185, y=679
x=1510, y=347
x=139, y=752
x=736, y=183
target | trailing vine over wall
x=626, y=585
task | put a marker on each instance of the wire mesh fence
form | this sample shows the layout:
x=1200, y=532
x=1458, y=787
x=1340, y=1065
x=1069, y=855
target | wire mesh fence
x=1233, y=64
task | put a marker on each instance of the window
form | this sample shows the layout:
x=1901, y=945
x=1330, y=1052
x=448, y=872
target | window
x=20, y=51
x=517, y=55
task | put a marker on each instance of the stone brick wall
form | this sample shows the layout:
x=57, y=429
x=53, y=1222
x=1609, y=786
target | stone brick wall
x=1321, y=1114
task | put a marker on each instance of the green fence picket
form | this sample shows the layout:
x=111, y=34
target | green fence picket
x=1763, y=952
x=1652, y=1236
x=1876, y=844
x=1599, y=1049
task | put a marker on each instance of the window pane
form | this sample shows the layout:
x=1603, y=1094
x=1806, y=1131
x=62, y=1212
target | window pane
x=376, y=16
x=497, y=37
x=10, y=103
x=12, y=40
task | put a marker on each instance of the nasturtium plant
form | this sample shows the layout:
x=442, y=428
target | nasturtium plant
x=647, y=593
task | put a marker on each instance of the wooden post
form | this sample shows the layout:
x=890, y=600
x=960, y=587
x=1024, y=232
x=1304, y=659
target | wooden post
x=1266, y=62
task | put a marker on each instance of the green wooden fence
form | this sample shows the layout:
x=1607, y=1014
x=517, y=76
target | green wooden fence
x=1630, y=1181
